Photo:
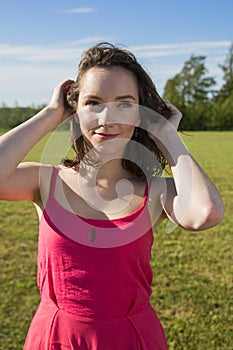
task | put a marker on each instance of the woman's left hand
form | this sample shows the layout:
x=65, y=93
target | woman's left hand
x=162, y=125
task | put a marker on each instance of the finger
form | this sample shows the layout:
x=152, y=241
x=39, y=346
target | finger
x=67, y=85
x=168, y=103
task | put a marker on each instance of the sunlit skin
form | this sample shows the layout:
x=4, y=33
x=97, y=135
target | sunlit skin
x=108, y=97
x=193, y=203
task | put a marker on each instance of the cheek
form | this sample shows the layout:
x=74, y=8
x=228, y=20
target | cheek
x=131, y=121
x=128, y=130
x=87, y=121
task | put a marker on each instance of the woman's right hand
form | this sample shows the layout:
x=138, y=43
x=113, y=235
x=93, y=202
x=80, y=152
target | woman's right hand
x=59, y=102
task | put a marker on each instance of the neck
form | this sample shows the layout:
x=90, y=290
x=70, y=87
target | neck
x=105, y=182
x=111, y=170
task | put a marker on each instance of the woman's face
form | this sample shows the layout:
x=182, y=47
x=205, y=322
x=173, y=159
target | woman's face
x=108, y=108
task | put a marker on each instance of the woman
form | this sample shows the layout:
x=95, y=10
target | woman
x=97, y=210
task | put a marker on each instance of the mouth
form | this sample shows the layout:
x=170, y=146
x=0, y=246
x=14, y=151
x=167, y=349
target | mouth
x=105, y=136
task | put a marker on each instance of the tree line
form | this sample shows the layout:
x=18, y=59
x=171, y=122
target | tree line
x=192, y=90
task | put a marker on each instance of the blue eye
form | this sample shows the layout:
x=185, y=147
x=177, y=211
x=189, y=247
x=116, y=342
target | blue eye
x=91, y=103
x=95, y=106
x=124, y=105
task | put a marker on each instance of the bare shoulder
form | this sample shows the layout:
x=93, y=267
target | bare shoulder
x=45, y=172
x=64, y=175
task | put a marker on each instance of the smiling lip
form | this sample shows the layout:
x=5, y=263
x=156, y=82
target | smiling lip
x=106, y=136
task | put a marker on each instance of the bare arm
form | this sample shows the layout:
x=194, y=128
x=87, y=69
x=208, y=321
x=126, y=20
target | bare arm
x=20, y=181
x=191, y=200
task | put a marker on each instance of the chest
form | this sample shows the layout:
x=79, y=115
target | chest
x=102, y=202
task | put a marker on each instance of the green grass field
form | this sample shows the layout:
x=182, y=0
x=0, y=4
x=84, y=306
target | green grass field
x=193, y=272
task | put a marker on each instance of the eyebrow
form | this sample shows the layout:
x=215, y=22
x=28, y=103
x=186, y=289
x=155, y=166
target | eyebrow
x=92, y=96
x=118, y=98
x=124, y=97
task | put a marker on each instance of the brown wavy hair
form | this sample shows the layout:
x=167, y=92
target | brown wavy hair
x=135, y=159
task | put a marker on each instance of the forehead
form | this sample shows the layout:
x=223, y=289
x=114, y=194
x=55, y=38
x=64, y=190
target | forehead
x=114, y=78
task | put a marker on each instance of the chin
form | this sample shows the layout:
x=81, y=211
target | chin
x=114, y=147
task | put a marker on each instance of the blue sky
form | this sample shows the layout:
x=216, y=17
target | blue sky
x=41, y=42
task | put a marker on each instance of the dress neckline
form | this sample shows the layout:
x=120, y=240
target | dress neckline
x=125, y=218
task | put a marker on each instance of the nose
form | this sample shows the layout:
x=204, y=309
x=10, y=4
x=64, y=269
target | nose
x=106, y=116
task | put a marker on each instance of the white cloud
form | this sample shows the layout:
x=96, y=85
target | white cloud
x=178, y=49
x=62, y=52
x=81, y=10
x=29, y=73
x=58, y=53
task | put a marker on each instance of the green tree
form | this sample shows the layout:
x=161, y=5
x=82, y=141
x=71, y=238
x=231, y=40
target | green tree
x=191, y=91
x=227, y=68
x=13, y=116
x=223, y=102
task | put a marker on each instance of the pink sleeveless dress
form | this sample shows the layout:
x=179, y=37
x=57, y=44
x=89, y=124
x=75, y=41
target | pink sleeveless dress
x=94, y=278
